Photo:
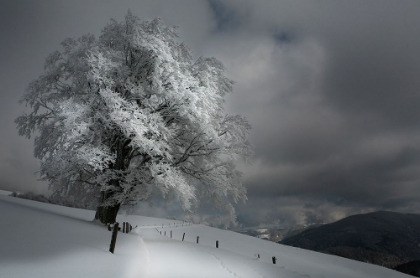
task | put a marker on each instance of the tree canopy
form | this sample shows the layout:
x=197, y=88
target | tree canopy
x=132, y=111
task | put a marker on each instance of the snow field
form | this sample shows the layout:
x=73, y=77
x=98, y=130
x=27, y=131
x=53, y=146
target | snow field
x=237, y=255
x=44, y=240
x=37, y=242
x=4, y=192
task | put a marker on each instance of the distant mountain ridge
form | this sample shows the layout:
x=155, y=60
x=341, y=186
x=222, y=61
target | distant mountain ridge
x=383, y=238
x=276, y=234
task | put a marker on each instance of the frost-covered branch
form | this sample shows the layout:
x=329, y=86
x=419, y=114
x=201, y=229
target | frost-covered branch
x=131, y=111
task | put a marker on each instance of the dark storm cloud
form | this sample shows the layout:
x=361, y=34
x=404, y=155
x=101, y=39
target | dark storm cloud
x=283, y=37
x=331, y=88
x=341, y=122
x=377, y=78
x=226, y=18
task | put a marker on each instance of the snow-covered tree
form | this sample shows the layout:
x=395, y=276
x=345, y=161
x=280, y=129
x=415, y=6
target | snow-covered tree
x=131, y=111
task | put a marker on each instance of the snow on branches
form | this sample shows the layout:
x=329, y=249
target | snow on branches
x=132, y=111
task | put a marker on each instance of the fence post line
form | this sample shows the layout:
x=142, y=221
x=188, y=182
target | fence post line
x=114, y=238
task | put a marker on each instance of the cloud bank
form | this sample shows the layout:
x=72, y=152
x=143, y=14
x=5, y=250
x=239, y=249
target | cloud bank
x=331, y=90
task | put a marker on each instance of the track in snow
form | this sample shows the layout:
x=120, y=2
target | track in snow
x=191, y=258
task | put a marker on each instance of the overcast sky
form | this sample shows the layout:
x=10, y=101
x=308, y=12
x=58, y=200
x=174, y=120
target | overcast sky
x=331, y=88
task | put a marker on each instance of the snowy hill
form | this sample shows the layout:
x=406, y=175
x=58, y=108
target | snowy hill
x=44, y=240
x=383, y=237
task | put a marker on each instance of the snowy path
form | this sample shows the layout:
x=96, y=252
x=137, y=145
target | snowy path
x=193, y=260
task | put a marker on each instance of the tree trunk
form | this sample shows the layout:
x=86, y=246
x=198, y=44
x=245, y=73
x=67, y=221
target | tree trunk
x=106, y=214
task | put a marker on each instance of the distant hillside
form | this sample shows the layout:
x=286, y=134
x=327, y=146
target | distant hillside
x=384, y=238
x=276, y=234
x=412, y=268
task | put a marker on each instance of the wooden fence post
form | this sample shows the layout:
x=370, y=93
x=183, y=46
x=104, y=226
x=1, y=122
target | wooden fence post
x=183, y=236
x=198, y=238
x=274, y=260
x=114, y=238
x=217, y=244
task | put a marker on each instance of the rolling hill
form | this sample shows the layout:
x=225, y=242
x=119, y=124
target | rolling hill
x=384, y=238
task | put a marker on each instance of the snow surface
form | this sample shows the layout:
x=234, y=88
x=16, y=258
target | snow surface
x=3, y=192
x=44, y=240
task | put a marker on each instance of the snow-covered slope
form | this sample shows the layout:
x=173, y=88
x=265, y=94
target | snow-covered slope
x=43, y=240
x=6, y=193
